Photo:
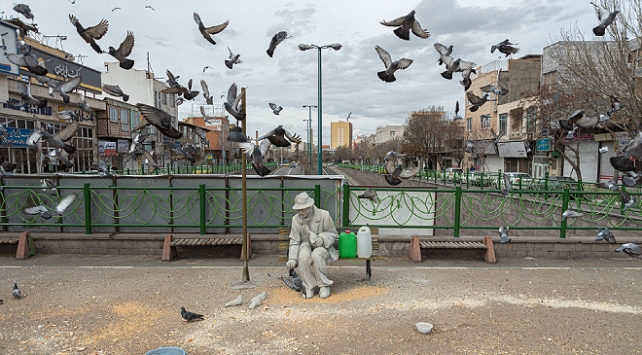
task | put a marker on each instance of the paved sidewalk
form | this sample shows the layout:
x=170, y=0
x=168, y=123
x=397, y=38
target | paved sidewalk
x=92, y=304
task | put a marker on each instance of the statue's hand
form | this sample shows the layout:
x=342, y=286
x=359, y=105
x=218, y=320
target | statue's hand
x=315, y=240
x=291, y=264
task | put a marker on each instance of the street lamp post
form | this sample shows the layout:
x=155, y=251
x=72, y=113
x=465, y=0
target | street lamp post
x=305, y=47
x=310, y=132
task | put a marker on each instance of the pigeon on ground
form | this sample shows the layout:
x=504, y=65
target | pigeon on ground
x=190, y=316
x=605, y=17
x=25, y=94
x=280, y=137
x=505, y=47
x=631, y=249
x=160, y=119
x=395, y=175
x=24, y=10
x=256, y=301
x=616, y=105
x=405, y=24
x=627, y=199
x=276, y=109
x=492, y=89
x=476, y=101
x=611, y=184
x=91, y=34
x=508, y=185
x=370, y=194
x=15, y=292
x=115, y=90
x=503, y=234
x=604, y=150
x=235, y=302
x=65, y=203
x=207, y=32
x=443, y=52
x=41, y=211
x=630, y=180
x=605, y=234
x=29, y=61
x=571, y=214
x=123, y=51
x=234, y=59
x=233, y=103
x=257, y=152
x=388, y=75
x=276, y=39
x=209, y=99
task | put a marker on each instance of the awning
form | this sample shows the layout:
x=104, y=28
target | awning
x=511, y=149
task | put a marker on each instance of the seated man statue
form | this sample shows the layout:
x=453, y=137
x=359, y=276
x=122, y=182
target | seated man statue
x=311, y=246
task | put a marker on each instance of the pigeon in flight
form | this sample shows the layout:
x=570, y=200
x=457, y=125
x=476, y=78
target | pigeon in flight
x=149, y=7
x=29, y=61
x=395, y=175
x=505, y=47
x=61, y=87
x=276, y=109
x=466, y=82
x=457, y=65
x=405, y=24
x=123, y=51
x=476, y=101
x=25, y=94
x=457, y=108
x=150, y=162
x=492, y=89
x=41, y=211
x=571, y=214
x=206, y=67
x=388, y=75
x=257, y=152
x=65, y=203
x=508, y=185
x=91, y=34
x=503, y=234
x=115, y=8
x=84, y=105
x=160, y=119
x=115, y=90
x=15, y=292
x=627, y=199
x=24, y=10
x=392, y=154
x=234, y=59
x=370, y=194
x=630, y=180
x=605, y=234
x=443, y=52
x=276, y=39
x=280, y=137
x=605, y=17
x=49, y=185
x=68, y=115
x=631, y=249
x=611, y=184
x=206, y=93
x=207, y=32
x=190, y=316
x=233, y=103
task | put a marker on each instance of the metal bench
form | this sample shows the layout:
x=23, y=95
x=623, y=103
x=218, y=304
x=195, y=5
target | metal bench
x=285, y=245
x=170, y=244
x=486, y=246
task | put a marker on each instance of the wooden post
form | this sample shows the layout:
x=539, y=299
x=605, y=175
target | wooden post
x=415, y=249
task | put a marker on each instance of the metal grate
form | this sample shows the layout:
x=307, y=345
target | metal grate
x=452, y=245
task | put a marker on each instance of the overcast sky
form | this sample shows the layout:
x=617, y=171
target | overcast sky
x=350, y=84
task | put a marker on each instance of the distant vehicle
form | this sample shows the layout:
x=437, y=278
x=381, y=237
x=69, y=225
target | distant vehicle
x=556, y=183
x=453, y=174
x=518, y=180
x=489, y=179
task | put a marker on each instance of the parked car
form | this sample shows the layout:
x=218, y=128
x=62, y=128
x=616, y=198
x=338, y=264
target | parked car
x=517, y=179
x=489, y=179
x=556, y=183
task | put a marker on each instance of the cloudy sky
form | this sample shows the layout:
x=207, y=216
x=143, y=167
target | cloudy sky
x=170, y=36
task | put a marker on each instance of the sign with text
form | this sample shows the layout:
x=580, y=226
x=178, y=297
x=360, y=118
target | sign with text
x=123, y=146
x=17, y=137
x=544, y=145
x=107, y=149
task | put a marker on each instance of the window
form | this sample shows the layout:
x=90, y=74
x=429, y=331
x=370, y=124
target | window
x=134, y=118
x=531, y=117
x=484, y=120
x=164, y=98
x=113, y=114
x=124, y=120
x=469, y=124
x=503, y=123
x=392, y=133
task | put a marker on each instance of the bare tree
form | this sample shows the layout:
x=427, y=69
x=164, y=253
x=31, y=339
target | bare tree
x=424, y=136
x=343, y=153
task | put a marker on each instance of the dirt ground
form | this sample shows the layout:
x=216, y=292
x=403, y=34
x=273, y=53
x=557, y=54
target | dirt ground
x=83, y=304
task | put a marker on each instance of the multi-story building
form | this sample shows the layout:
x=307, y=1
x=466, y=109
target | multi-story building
x=341, y=134
x=388, y=132
x=218, y=126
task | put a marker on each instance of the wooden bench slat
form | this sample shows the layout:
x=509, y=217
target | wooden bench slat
x=7, y=240
x=189, y=242
x=452, y=245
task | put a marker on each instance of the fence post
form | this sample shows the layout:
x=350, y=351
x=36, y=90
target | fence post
x=346, y=205
x=87, y=201
x=201, y=200
x=317, y=195
x=457, y=210
x=565, y=197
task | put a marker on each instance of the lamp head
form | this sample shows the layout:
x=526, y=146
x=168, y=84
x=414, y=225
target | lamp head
x=237, y=135
x=335, y=46
x=305, y=47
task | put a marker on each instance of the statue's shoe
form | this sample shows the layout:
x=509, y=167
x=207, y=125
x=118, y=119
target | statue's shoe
x=308, y=294
x=324, y=292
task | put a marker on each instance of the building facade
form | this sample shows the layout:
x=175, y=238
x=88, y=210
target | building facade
x=341, y=133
